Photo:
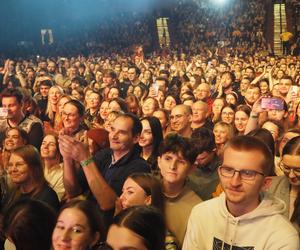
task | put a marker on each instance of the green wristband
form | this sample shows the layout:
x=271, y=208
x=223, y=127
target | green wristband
x=86, y=162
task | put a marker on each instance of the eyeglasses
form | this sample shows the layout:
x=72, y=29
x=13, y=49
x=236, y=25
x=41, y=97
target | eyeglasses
x=245, y=174
x=286, y=169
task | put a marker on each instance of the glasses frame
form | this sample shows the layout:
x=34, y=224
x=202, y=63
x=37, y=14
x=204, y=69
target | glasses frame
x=240, y=171
x=287, y=170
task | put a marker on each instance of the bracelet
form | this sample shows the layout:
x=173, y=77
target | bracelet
x=254, y=116
x=86, y=162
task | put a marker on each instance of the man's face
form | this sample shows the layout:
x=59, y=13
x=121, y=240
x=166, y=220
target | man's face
x=51, y=67
x=13, y=106
x=132, y=74
x=222, y=68
x=243, y=194
x=120, y=137
x=252, y=95
x=226, y=81
x=276, y=114
x=199, y=112
x=180, y=120
x=44, y=90
x=161, y=85
x=107, y=80
x=244, y=84
x=249, y=73
x=284, y=86
x=173, y=167
x=202, y=92
x=93, y=100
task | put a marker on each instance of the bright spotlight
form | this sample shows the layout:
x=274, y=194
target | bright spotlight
x=219, y=2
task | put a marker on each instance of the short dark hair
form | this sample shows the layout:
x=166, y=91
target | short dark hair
x=29, y=224
x=204, y=140
x=79, y=106
x=177, y=144
x=266, y=136
x=161, y=78
x=137, y=70
x=250, y=143
x=14, y=92
x=136, y=123
x=145, y=221
x=110, y=73
x=48, y=83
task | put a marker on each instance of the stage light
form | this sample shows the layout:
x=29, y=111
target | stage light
x=219, y=2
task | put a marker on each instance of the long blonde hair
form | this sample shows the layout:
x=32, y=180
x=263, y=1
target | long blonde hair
x=49, y=111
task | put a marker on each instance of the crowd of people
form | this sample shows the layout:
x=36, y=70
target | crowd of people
x=177, y=149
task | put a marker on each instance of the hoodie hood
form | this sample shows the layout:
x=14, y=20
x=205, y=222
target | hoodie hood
x=269, y=205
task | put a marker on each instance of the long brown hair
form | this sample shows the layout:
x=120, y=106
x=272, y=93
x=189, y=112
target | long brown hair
x=293, y=148
x=32, y=158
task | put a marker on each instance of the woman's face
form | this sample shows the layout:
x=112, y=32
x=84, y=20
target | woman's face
x=61, y=104
x=53, y=95
x=13, y=140
x=217, y=106
x=133, y=195
x=275, y=91
x=160, y=115
x=76, y=95
x=113, y=93
x=169, y=103
x=146, y=138
x=48, y=147
x=221, y=134
x=114, y=106
x=123, y=238
x=104, y=110
x=264, y=88
x=70, y=117
x=230, y=99
x=184, y=89
x=137, y=91
x=291, y=168
x=72, y=231
x=18, y=170
x=147, y=74
x=240, y=121
x=227, y=115
x=148, y=107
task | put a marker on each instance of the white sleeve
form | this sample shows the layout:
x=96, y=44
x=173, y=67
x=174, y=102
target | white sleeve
x=193, y=239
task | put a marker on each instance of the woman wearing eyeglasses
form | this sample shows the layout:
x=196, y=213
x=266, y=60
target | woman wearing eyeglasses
x=25, y=170
x=287, y=187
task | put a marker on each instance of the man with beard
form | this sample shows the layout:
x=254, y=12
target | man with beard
x=252, y=94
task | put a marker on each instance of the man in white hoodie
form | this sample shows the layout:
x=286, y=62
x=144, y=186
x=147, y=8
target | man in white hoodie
x=243, y=217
